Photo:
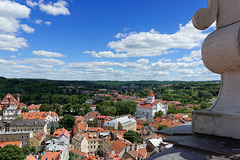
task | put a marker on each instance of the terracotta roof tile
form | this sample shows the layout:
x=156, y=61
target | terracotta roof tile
x=17, y=143
x=51, y=156
x=118, y=146
x=151, y=94
x=30, y=157
x=60, y=131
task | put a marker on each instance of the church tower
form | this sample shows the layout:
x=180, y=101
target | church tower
x=150, y=97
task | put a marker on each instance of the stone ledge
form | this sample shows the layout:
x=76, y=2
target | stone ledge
x=216, y=123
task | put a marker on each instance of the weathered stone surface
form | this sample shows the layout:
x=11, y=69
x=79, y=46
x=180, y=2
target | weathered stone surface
x=178, y=153
x=213, y=145
x=221, y=54
x=184, y=129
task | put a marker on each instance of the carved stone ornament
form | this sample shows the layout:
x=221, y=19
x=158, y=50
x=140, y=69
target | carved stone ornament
x=221, y=55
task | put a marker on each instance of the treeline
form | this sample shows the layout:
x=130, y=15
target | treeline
x=117, y=108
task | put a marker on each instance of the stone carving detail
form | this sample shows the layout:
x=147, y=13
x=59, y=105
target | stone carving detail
x=221, y=55
x=204, y=17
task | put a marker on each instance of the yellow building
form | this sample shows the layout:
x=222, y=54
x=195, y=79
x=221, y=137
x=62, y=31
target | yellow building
x=80, y=142
x=38, y=139
x=17, y=136
x=24, y=125
x=122, y=123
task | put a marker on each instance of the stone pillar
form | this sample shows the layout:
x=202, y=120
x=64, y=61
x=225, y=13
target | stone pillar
x=221, y=55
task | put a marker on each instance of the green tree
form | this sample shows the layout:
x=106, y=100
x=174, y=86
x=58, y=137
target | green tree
x=132, y=136
x=52, y=129
x=67, y=122
x=26, y=150
x=161, y=127
x=146, y=124
x=196, y=108
x=11, y=152
x=19, y=117
x=158, y=114
x=92, y=123
x=204, y=105
x=25, y=110
x=33, y=149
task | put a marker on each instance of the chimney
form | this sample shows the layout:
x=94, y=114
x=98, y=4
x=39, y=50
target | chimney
x=18, y=98
x=136, y=146
x=132, y=147
x=127, y=148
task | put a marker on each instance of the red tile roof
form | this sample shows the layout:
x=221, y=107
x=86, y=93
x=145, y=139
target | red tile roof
x=92, y=114
x=30, y=157
x=22, y=105
x=17, y=143
x=60, y=131
x=117, y=146
x=37, y=115
x=33, y=106
x=142, y=152
x=40, y=135
x=79, y=119
x=51, y=156
x=151, y=94
x=79, y=152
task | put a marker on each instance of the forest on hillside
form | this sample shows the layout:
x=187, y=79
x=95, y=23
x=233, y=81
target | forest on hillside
x=55, y=93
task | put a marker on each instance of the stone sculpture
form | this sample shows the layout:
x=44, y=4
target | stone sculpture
x=221, y=55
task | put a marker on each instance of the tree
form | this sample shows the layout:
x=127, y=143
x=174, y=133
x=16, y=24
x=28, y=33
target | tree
x=67, y=122
x=26, y=150
x=19, y=117
x=204, y=105
x=52, y=129
x=146, y=124
x=161, y=127
x=25, y=110
x=158, y=114
x=196, y=108
x=11, y=152
x=33, y=149
x=132, y=136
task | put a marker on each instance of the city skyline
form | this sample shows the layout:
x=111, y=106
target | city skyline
x=102, y=40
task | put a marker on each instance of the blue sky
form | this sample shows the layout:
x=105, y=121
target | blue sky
x=102, y=40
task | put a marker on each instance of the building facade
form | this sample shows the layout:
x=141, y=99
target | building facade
x=148, y=108
x=122, y=123
x=24, y=125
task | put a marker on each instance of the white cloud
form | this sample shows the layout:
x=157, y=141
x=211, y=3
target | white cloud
x=11, y=43
x=41, y=61
x=167, y=60
x=13, y=56
x=188, y=71
x=48, y=23
x=10, y=13
x=58, y=8
x=38, y=21
x=8, y=24
x=121, y=35
x=31, y=3
x=13, y=10
x=27, y=29
x=153, y=43
x=43, y=53
x=194, y=55
x=143, y=61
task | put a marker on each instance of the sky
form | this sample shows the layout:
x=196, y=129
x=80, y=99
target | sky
x=125, y=40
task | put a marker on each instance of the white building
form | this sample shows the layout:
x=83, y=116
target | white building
x=150, y=107
x=122, y=123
